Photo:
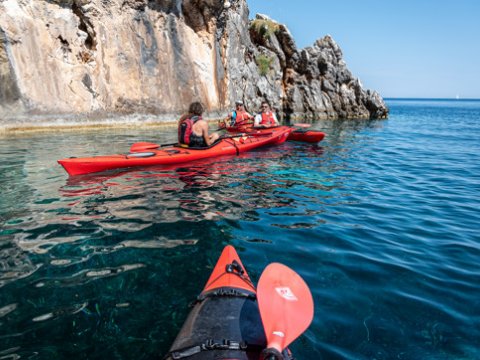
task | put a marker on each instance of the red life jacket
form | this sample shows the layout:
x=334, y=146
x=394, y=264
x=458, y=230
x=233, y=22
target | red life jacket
x=241, y=118
x=267, y=119
x=185, y=129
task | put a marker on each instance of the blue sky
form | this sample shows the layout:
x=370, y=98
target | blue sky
x=408, y=48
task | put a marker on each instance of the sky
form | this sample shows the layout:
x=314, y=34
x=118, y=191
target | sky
x=401, y=48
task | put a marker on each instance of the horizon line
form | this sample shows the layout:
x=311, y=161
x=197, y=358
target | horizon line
x=429, y=98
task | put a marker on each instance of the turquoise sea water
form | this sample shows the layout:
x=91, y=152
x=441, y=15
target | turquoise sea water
x=381, y=219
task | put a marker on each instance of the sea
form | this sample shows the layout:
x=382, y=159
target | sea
x=381, y=219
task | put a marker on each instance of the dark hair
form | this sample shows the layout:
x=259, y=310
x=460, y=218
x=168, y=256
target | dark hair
x=196, y=108
x=265, y=102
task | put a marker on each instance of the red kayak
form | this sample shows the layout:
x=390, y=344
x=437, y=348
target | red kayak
x=310, y=136
x=147, y=154
x=303, y=135
x=233, y=320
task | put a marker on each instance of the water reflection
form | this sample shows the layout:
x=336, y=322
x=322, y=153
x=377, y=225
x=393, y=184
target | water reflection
x=206, y=189
x=15, y=263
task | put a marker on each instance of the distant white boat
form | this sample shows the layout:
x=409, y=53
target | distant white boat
x=457, y=97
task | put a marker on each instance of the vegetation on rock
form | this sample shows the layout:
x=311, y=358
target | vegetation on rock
x=264, y=28
x=264, y=64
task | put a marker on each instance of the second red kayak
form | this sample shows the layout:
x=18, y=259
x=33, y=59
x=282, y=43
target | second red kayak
x=309, y=136
x=303, y=135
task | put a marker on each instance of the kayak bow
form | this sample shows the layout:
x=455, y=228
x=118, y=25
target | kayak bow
x=309, y=136
x=227, y=323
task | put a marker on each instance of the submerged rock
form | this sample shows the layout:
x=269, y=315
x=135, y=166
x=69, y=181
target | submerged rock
x=156, y=56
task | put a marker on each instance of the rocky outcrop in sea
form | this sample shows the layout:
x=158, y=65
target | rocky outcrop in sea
x=156, y=56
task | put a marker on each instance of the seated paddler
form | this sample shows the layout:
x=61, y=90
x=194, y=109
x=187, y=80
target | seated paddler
x=239, y=118
x=266, y=118
x=193, y=129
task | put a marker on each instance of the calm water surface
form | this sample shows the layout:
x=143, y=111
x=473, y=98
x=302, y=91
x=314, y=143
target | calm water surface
x=381, y=219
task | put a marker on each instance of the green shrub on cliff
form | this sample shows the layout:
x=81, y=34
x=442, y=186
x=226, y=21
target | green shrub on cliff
x=264, y=63
x=264, y=28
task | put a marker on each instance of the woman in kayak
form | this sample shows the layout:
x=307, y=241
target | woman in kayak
x=266, y=118
x=193, y=130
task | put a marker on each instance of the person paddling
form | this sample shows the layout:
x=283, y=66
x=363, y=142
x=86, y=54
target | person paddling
x=239, y=117
x=193, y=130
x=266, y=118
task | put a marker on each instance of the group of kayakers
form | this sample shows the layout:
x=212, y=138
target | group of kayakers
x=240, y=117
x=193, y=129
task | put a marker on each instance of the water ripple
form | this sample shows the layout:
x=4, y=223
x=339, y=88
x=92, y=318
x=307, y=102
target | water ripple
x=380, y=219
x=70, y=310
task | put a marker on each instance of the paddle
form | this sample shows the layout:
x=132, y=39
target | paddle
x=246, y=134
x=302, y=125
x=297, y=125
x=286, y=308
x=143, y=146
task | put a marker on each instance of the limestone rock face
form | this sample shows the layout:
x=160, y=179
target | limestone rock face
x=156, y=56
x=316, y=81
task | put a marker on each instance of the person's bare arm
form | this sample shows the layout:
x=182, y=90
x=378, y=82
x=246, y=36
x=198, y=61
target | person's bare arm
x=204, y=127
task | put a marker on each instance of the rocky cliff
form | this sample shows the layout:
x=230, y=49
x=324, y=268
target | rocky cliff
x=156, y=56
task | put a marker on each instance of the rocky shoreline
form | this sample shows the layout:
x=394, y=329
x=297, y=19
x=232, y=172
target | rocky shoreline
x=91, y=61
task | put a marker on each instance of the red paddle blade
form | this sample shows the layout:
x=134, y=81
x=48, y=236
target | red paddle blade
x=302, y=125
x=220, y=277
x=285, y=303
x=142, y=146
